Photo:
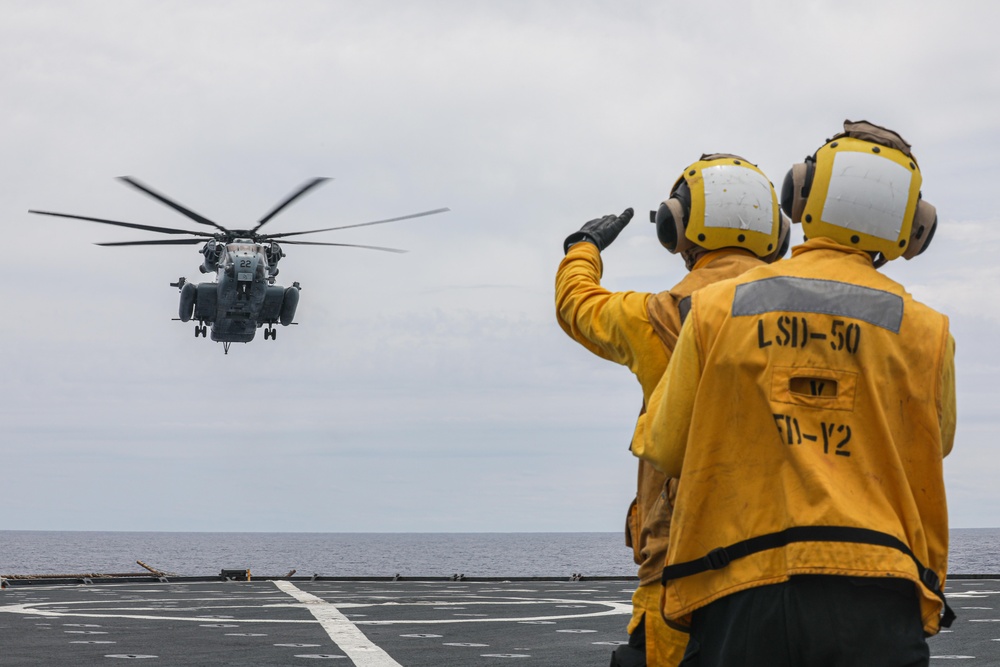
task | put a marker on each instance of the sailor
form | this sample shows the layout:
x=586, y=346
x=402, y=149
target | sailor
x=806, y=410
x=722, y=217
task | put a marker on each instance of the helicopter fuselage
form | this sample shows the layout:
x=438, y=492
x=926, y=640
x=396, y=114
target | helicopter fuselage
x=244, y=297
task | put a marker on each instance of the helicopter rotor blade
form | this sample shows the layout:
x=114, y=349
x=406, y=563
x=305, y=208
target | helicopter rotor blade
x=304, y=188
x=360, y=224
x=155, y=242
x=172, y=204
x=346, y=245
x=117, y=223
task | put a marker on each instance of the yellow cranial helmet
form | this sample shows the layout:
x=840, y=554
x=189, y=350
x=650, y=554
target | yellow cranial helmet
x=722, y=201
x=862, y=189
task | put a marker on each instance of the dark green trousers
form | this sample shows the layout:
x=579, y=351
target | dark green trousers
x=812, y=621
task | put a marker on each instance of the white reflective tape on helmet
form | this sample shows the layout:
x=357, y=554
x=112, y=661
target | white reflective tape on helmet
x=867, y=194
x=738, y=198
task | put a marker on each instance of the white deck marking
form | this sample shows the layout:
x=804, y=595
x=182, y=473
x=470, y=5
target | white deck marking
x=345, y=634
x=107, y=612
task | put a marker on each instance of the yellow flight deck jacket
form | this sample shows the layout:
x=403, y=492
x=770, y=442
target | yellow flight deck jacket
x=806, y=410
x=637, y=330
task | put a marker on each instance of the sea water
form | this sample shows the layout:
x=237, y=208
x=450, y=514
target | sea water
x=973, y=551
x=328, y=554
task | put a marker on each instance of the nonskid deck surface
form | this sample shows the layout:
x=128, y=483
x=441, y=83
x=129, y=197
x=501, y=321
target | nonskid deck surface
x=408, y=623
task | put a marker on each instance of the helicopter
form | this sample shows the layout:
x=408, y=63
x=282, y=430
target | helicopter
x=243, y=298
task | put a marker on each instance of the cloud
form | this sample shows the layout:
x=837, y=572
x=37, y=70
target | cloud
x=436, y=384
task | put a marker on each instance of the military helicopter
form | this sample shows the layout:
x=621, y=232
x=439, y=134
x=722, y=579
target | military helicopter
x=244, y=297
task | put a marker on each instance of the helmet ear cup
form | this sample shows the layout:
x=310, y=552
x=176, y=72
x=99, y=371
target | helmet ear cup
x=796, y=187
x=787, y=192
x=670, y=223
x=922, y=232
x=784, y=239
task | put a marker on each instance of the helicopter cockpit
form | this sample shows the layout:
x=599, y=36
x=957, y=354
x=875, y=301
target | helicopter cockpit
x=242, y=246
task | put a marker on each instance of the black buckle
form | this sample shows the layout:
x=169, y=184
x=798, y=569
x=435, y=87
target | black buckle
x=717, y=558
x=930, y=579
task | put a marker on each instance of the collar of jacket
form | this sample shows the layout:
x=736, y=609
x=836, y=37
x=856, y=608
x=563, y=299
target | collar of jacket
x=713, y=255
x=822, y=243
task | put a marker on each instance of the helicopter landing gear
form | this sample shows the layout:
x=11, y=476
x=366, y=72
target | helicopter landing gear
x=200, y=330
x=270, y=332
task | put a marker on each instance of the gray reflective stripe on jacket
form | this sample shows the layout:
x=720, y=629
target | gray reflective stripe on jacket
x=810, y=295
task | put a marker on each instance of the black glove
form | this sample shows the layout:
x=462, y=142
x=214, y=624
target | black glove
x=600, y=231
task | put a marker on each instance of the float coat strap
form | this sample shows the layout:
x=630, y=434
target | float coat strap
x=716, y=559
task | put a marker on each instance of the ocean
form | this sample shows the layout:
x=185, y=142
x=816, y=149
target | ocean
x=973, y=551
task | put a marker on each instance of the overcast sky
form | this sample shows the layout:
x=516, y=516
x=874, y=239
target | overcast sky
x=430, y=391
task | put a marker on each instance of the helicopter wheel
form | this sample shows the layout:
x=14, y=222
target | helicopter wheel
x=271, y=333
x=201, y=331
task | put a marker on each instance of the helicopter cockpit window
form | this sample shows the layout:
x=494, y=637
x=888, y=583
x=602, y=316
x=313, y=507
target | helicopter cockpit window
x=241, y=247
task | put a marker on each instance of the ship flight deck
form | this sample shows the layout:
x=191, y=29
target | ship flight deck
x=368, y=622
